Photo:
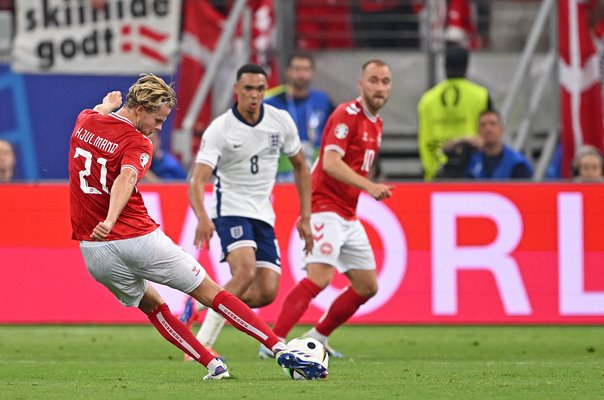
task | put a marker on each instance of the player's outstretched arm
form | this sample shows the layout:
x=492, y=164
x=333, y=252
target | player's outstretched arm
x=201, y=175
x=110, y=102
x=335, y=167
x=120, y=194
x=303, y=184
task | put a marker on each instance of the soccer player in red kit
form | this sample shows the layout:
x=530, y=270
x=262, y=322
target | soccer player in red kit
x=123, y=247
x=351, y=141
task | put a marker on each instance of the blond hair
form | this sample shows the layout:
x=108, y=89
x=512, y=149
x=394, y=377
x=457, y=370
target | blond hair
x=151, y=92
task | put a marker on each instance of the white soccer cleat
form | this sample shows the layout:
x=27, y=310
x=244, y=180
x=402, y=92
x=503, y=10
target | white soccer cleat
x=302, y=363
x=220, y=372
x=264, y=352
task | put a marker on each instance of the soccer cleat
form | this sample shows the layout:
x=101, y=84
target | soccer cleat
x=264, y=352
x=220, y=372
x=332, y=352
x=189, y=314
x=311, y=369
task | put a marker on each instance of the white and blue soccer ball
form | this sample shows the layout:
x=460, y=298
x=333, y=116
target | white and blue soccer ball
x=309, y=349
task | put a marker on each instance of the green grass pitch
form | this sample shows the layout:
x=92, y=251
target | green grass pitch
x=383, y=362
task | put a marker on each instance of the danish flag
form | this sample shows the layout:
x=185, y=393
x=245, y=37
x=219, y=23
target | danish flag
x=580, y=82
x=149, y=40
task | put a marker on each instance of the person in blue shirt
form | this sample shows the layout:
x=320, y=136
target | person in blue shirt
x=308, y=107
x=493, y=159
x=164, y=165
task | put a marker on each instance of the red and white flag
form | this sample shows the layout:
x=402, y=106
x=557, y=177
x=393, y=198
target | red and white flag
x=580, y=82
x=202, y=26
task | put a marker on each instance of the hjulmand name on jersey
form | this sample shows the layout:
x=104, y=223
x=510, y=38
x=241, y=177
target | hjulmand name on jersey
x=100, y=143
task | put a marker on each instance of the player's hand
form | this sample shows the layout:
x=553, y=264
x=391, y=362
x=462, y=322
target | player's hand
x=101, y=231
x=203, y=233
x=303, y=226
x=379, y=191
x=113, y=99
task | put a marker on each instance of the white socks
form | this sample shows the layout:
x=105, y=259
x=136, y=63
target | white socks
x=210, y=328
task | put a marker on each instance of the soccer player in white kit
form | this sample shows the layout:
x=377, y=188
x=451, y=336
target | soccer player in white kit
x=351, y=141
x=241, y=149
x=123, y=247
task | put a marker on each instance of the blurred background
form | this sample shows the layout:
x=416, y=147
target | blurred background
x=58, y=57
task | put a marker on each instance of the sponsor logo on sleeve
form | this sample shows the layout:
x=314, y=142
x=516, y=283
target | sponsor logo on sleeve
x=341, y=131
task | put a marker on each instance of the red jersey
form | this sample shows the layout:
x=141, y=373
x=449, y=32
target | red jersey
x=100, y=146
x=356, y=135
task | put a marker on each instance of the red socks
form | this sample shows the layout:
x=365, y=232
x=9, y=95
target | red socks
x=178, y=334
x=343, y=307
x=243, y=318
x=295, y=305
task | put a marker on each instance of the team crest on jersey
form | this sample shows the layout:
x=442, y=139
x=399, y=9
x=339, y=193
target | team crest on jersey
x=326, y=249
x=144, y=159
x=341, y=131
x=237, y=232
x=273, y=142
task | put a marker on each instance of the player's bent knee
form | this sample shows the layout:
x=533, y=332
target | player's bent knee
x=367, y=291
x=244, y=276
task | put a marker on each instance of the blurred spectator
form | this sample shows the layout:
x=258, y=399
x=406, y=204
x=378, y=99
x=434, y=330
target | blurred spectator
x=164, y=165
x=493, y=159
x=7, y=161
x=465, y=22
x=587, y=165
x=461, y=24
x=309, y=108
x=323, y=24
x=449, y=111
x=385, y=24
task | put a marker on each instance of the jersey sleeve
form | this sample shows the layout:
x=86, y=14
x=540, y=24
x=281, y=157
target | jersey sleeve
x=340, y=128
x=211, y=146
x=291, y=137
x=137, y=156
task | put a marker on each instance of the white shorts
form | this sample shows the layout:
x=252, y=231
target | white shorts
x=124, y=266
x=340, y=243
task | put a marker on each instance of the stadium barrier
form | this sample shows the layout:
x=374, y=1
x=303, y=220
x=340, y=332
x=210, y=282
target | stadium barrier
x=446, y=253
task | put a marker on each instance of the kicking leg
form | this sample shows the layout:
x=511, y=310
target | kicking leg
x=244, y=319
x=242, y=262
x=174, y=331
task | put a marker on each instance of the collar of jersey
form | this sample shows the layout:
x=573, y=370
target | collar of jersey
x=243, y=120
x=370, y=116
x=126, y=120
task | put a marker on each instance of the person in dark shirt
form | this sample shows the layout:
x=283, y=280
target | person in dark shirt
x=486, y=156
x=493, y=159
x=309, y=108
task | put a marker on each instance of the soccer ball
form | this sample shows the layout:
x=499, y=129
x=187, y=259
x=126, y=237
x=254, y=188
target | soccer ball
x=306, y=348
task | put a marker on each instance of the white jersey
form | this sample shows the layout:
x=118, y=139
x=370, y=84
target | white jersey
x=245, y=160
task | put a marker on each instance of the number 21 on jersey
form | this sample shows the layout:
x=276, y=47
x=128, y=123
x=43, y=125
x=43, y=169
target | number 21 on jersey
x=86, y=188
